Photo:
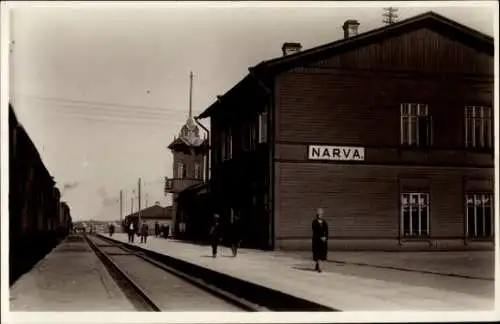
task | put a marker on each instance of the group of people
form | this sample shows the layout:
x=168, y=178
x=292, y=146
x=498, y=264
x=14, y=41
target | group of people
x=133, y=228
x=319, y=237
x=234, y=237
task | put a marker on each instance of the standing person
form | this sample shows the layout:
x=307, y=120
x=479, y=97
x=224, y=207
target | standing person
x=144, y=232
x=157, y=229
x=319, y=239
x=215, y=235
x=111, y=229
x=131, y=232
x=236, y=233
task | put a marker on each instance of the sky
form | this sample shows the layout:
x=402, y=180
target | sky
x=103, y=91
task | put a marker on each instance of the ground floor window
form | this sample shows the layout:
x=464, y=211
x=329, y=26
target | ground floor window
x=479, y=215
x=415, y=214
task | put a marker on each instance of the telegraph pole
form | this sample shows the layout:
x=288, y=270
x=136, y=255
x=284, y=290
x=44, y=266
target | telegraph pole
x=139, y=198
x=390, y=15
x=132, y=203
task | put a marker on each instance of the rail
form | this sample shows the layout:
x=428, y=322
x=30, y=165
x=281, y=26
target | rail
x=134, y=293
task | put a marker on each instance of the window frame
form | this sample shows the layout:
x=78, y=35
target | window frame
x=181, y=170
x=197, y=170
x=474, y=195
x=409, y=116
x=253, y=135
x=263, y=127
x=229, y=144
x=485, y=119
x=410, y=205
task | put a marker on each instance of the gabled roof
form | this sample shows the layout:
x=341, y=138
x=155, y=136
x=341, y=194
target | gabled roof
x=431, y=20
x=153, y=212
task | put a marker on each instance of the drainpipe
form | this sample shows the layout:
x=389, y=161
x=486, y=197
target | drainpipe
x=196, y=119
x=259, y=81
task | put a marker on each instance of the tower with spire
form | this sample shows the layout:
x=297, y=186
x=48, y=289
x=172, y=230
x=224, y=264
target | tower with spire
x=189, y=152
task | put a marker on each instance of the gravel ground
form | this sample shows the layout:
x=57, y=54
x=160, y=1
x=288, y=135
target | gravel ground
x=70, y=278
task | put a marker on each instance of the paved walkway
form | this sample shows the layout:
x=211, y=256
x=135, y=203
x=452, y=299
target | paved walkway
x=341, y=286
x=467, y=264
x=70, y=278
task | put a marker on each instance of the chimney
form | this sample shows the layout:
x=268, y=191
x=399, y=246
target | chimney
x=350, y=28
x=291, y=48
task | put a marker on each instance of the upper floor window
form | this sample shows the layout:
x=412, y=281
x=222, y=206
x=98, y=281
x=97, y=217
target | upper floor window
x=197, y=170
x=253, y=137
x=479, y=215
x=416, y=125
x=415, y=214
x=181, y=170
x=229, y=144
x=478, y=127
x=263, y=127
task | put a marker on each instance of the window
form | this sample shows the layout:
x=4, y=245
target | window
x=416, y=125
x=228, y=145
x=263, y=127
x=197, y=171
x=415, y=214
x=181, y=170
x=478, y=128
x=479, y=215
x=253, y=136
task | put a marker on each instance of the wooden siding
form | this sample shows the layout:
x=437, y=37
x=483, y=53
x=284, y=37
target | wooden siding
x=354, y=99
x=189, y=163
x=340, y=189
x=354, y=108
x=422, y=50
x=290, y=151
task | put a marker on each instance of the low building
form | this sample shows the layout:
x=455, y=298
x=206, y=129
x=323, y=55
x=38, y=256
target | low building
x=390, y=131
x=152, y=215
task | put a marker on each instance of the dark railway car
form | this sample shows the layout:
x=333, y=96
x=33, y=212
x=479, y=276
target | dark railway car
x=33, y=203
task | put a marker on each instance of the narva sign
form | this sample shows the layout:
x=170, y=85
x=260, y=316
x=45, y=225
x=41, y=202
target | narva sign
x=336, y=153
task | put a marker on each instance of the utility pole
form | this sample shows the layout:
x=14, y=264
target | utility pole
x=139, y=198
x=132, y=203
x=390, y=15
x=121, y=205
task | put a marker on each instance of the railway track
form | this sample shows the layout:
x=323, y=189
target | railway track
x=153, y=286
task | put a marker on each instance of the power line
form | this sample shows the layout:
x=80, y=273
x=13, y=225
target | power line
x=135, y=113
x=102, y=104
x=163, y=120
x=112, y=111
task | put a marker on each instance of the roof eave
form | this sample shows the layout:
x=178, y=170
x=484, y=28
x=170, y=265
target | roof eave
x=278, y=62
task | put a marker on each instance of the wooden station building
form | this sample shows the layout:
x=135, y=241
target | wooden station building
x=390, y=131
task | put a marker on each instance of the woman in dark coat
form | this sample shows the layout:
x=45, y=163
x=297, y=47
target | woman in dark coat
x=319, y=239
x=236, y=235
x=215, y=235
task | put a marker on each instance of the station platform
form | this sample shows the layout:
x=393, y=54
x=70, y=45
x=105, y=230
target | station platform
x=70, y=278
x=343, y=285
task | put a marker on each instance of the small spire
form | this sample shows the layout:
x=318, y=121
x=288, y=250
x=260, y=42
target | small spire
x=190, y=94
